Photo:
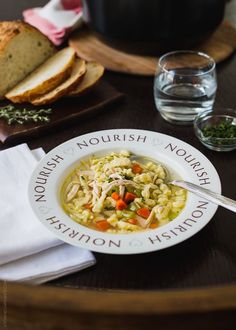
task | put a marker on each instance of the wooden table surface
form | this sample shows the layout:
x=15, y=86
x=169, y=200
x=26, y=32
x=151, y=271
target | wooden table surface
x=194, y=270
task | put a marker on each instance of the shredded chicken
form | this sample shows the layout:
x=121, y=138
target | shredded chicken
x=88, y=173
x=95, y=192
x=121, y=191
x=73, y=191
x=141, y=221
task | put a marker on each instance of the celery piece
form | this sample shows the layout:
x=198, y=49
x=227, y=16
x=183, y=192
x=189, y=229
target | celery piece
x=119, y=213
x=128, y=214
x=137, y=193
x=133, y=207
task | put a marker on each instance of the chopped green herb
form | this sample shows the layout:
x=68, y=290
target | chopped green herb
x=109, y=208
x=21, y=116
x=224, y=130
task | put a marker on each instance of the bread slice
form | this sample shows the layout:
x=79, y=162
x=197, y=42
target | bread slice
x=22, y=49
x=45, y=78
x=76, y=75
x=92, y=76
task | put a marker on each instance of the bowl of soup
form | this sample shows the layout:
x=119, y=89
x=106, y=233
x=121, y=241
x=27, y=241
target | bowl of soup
x=109, y=191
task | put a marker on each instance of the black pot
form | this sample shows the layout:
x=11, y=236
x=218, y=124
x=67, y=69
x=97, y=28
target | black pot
x=153, y=26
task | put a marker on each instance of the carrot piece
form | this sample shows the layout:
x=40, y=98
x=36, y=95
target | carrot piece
x=120, y=204
x=115, y=196
x=153, y=225
x=136, y=168
x=88, y=206
x=102, y=225
x=129, y=197
x=132, y=221
x=143, y=212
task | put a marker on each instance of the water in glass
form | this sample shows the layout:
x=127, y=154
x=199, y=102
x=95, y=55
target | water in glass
x=183, y=93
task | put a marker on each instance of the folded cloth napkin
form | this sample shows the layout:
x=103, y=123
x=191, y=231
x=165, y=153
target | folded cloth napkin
x=57, y=19
x=24, y=242
x=47, y=265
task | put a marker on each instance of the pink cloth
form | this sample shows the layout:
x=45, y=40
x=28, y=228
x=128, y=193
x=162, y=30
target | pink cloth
x=56, y=19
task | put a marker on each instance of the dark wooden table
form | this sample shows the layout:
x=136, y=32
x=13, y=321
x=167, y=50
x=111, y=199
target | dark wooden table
x=206, y=261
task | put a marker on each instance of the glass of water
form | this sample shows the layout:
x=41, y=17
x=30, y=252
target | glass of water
x=184, y=86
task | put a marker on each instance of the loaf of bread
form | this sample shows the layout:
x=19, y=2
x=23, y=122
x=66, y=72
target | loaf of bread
x=22, y=49
x=32, y=70
x=45, y=78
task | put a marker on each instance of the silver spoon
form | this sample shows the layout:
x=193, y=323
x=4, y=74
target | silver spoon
x=209, y=195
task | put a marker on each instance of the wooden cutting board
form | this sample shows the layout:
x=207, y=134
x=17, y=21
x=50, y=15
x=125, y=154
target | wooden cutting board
x=63, y=111
x=220, y=45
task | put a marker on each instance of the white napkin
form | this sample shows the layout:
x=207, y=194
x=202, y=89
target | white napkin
x=21, y=234
x=47, y=265
x=56, y=19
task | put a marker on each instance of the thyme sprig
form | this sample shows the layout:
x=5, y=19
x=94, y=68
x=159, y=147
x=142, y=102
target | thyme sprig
x=21, y=116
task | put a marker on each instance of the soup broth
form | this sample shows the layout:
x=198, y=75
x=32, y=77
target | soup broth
x=117, y=194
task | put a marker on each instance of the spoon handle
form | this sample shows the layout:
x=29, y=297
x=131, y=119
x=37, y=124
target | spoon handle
x=211, y=196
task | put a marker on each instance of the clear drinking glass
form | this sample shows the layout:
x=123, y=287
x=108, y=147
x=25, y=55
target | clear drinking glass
x=184, y=86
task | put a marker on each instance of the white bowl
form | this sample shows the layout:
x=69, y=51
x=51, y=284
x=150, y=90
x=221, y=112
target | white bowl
x=179, y=157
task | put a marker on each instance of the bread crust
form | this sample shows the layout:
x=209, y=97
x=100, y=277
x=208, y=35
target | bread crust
x=88, y=82
x=57, y=93
x=42, y=89
x=10, y=29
